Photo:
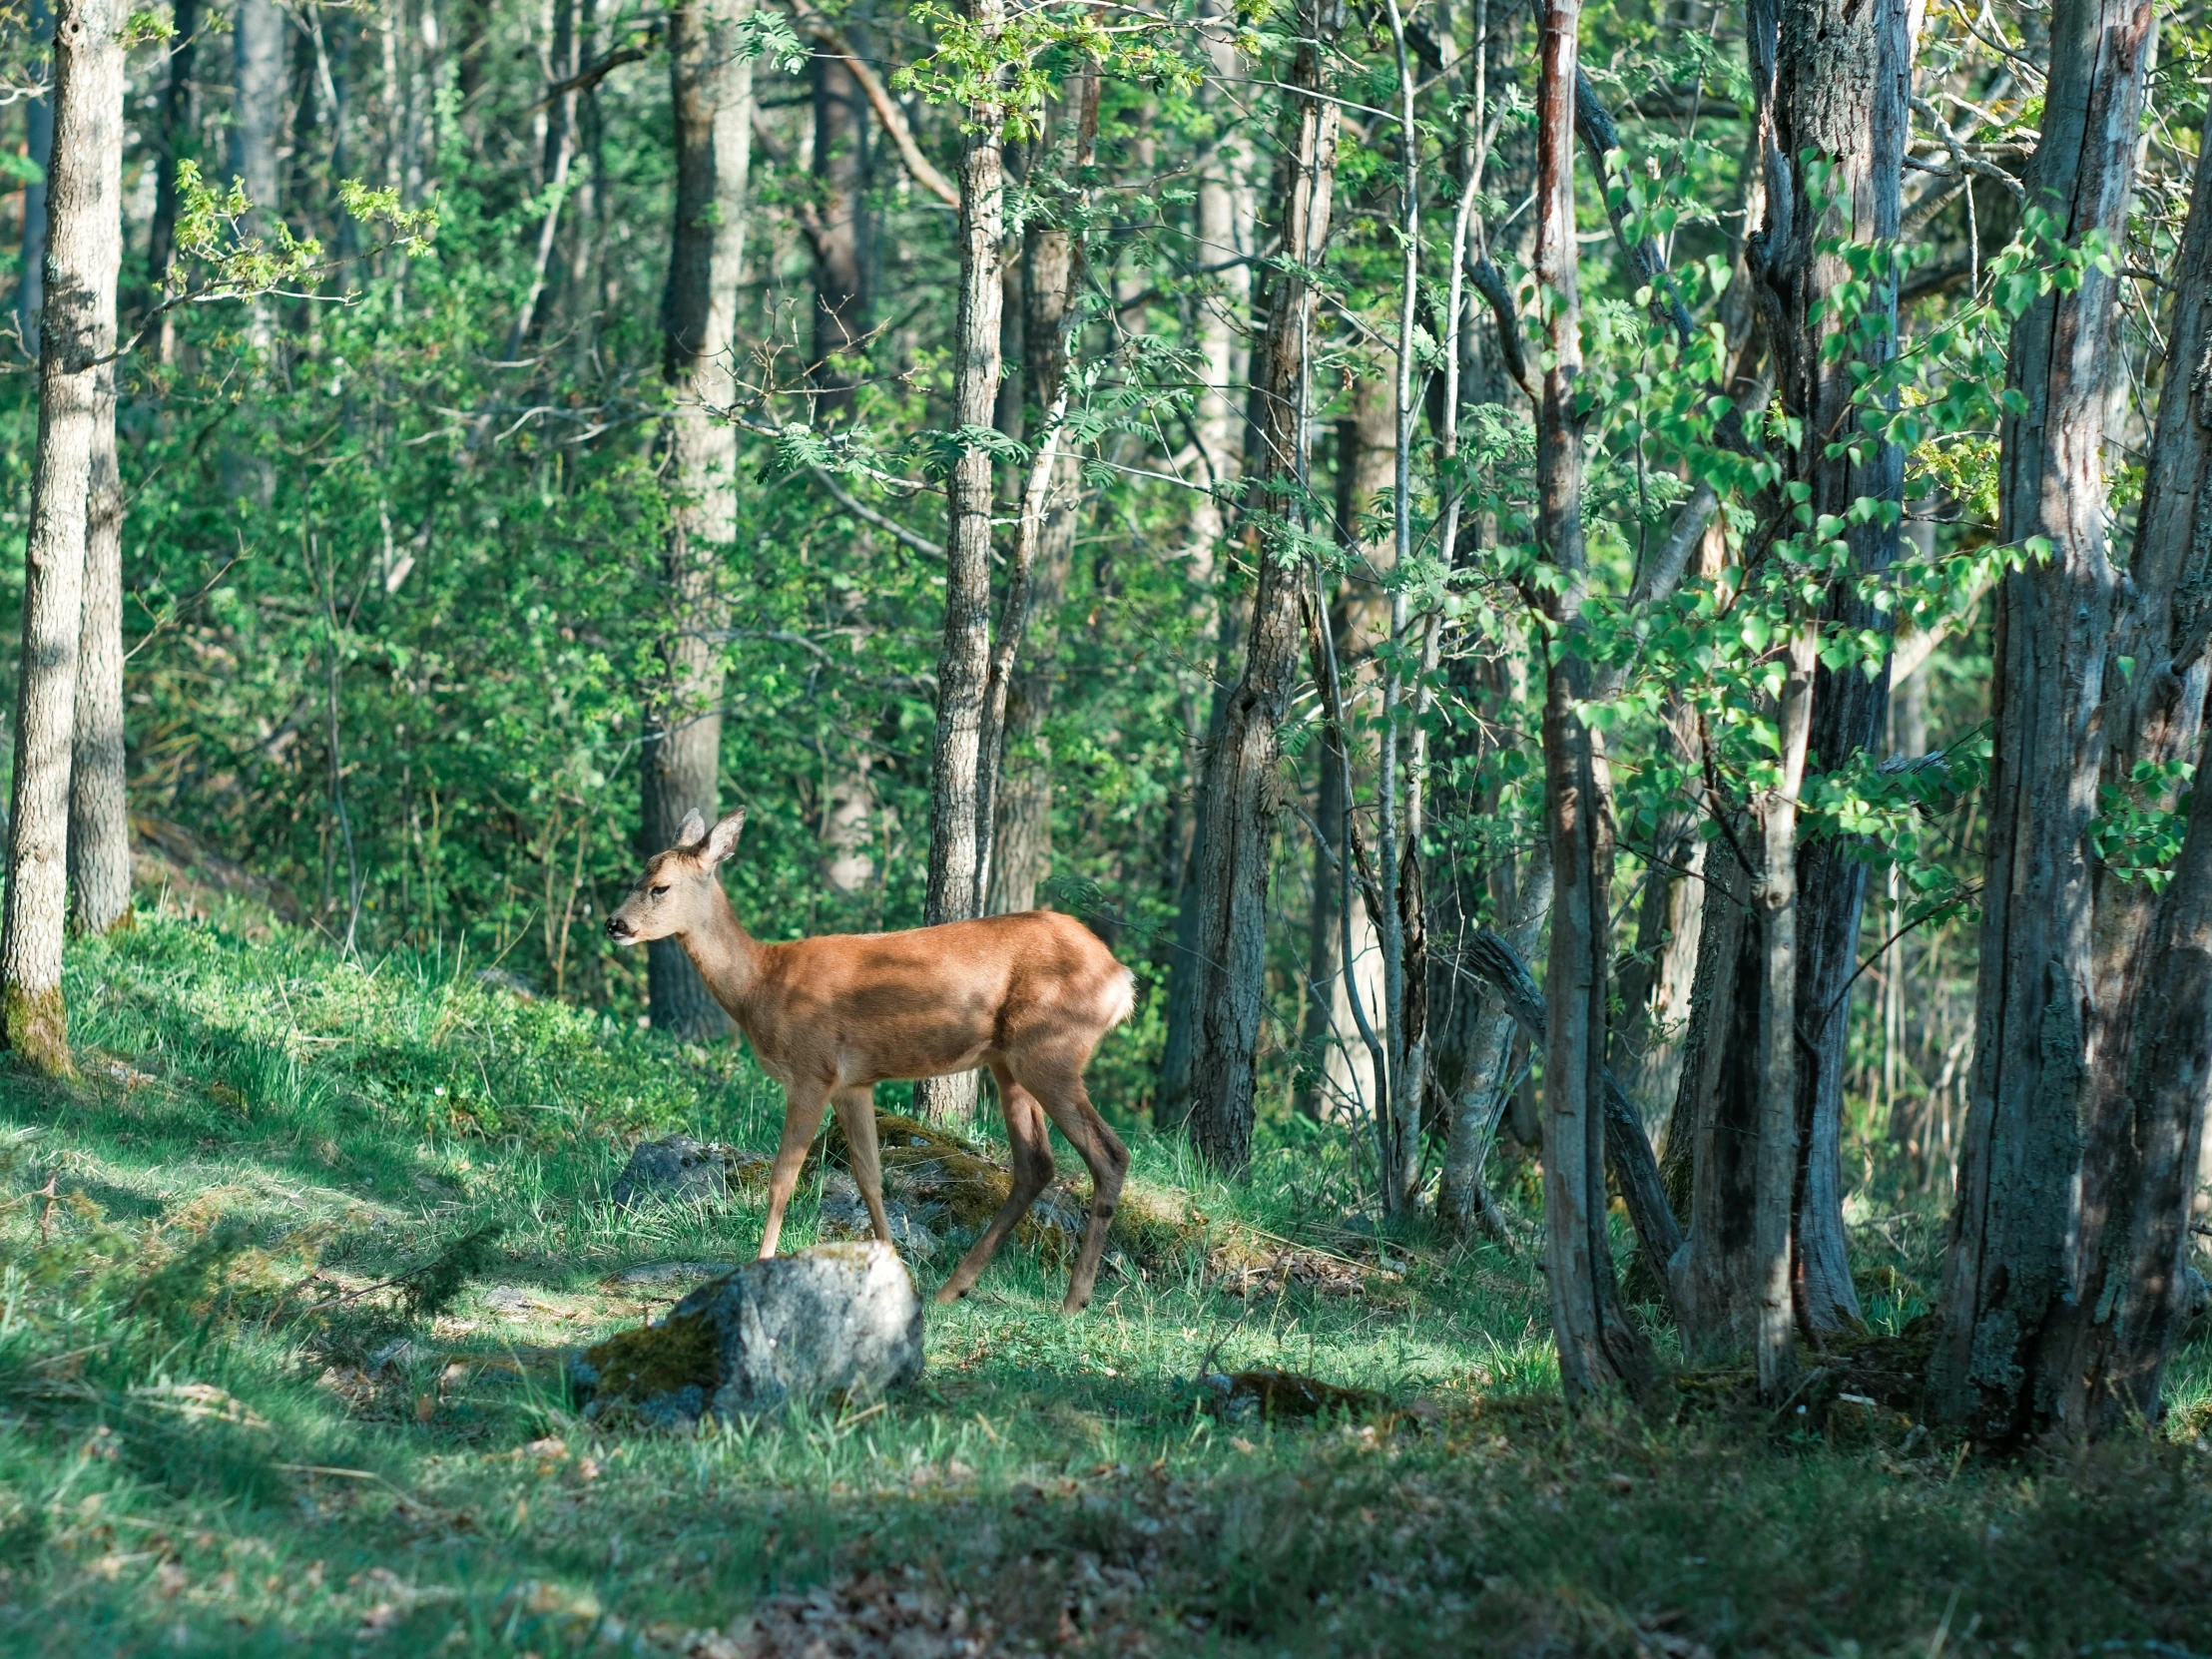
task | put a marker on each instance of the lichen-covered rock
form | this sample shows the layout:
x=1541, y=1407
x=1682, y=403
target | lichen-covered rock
x=678, y=1169
x=952, y=1188
x=838, y=1320
x=844, y=1216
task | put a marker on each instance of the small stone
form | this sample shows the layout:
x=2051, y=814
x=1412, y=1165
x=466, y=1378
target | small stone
x=837, y=1320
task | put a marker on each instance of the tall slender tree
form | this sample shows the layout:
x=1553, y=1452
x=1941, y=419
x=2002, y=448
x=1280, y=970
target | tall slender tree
x=711, y=83
x=2005, y=1278
x=98, y=808
x=84, y=254
x=1241, y=793
x=1053, y=277
x=1600, y=1348
x=38, y=150
x=2114, y=1329
x=963, y=661
x=840, y=232
x=179, y=126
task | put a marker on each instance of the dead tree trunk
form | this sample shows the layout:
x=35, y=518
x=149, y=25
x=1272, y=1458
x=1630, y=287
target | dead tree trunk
x=963, y=662
x=711, y=82
x=84, y=252
x=1241, y=790
x=1600, y=1349
x=2005, y=1276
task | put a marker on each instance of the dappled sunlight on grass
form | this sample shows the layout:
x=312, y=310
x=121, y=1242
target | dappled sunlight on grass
x=239, y=1411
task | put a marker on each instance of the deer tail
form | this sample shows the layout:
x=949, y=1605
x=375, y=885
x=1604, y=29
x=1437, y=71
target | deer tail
x=1121, y=999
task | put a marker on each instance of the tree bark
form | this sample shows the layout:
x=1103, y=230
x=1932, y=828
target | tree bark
x=1241, y=790
x=177, y=129
x=2004, y=1277
x=963, y=662
x=1051, y=289
x=1775, y=1177
x=1341, y=1073
x=711, y=84
x=257, y=112
x=38, y=149
x=1600, y=1348
x=841, y=171
x=98, y=812
x=1842, y=89
x=84, y=254
x=2152, y=1005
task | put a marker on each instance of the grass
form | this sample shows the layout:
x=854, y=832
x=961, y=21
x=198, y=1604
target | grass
x=211, y=1439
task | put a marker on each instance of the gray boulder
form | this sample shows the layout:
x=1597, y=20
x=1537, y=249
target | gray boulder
x=840, y=1320
x=678, y=1169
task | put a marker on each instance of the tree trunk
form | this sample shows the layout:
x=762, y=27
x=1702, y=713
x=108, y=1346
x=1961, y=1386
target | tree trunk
x=84, y=252
x=1341, y=1073
x=2005, y=1279
x=1226, y=217
x=1713, y=1135
x=1242, y=789
x=963, y=662
x=38, y=149
x=1052, y=281
x=2152, y=1004
x=258, y=108
x=98, y=812
x=1841, y=87
x=1775, y=1177
x=711, y=83
x=841, y=171
x=179, y=128
x=1600, y=1348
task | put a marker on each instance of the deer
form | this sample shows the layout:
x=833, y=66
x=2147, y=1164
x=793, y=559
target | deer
x=1029, y=995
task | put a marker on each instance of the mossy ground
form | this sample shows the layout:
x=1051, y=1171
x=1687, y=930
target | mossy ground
x=216, y=1436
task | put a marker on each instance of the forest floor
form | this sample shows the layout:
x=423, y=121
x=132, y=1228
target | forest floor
x=215, y=1433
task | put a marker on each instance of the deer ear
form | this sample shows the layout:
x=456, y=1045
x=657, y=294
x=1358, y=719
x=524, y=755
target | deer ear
x=722, y=840
x=694, y=829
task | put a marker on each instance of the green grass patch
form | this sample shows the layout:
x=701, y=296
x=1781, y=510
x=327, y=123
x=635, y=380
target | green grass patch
x=286, y=1272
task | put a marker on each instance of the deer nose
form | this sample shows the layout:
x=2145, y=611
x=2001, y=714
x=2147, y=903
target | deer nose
x=617, y=929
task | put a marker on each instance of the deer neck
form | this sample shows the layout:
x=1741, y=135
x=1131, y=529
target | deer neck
x=726, y=956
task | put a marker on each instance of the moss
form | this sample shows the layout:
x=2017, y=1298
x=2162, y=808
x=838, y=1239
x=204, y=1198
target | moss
x=35, y=1024
x=929, y=1169
x=632, y=1366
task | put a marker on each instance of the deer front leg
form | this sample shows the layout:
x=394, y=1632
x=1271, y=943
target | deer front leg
x=856, y=1113
x=803, y=1104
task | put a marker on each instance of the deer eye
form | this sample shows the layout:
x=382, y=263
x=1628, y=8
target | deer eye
x=657, y=892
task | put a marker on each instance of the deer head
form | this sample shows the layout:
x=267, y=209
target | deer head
x=677, y=892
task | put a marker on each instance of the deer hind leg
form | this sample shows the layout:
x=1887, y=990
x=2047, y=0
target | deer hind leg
x=803, y=1104
x=856, y=1113
x=1056, y=1078
x=1033, y=1172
